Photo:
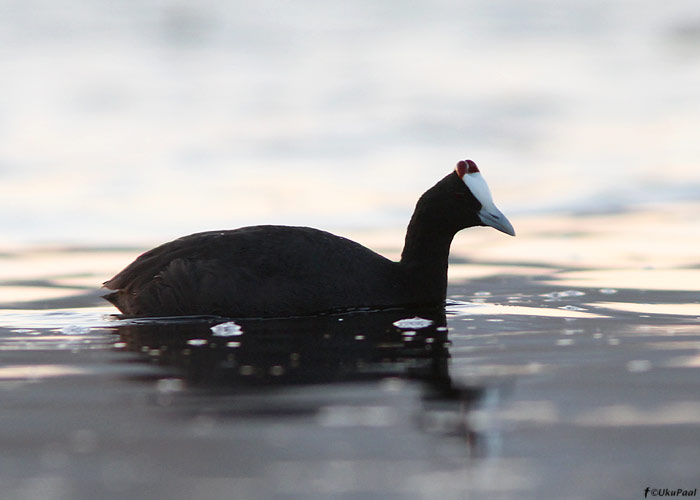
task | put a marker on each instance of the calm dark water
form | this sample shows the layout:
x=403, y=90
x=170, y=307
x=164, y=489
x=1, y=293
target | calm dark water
x=536, y=381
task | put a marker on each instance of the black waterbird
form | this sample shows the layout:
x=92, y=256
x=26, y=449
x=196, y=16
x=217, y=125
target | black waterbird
x=280, y=271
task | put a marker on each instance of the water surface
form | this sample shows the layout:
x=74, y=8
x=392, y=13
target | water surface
x=551, y=373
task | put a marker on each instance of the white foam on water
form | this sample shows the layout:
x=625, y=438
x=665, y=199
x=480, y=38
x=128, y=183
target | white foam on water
x=228, y=329
x=414, y=323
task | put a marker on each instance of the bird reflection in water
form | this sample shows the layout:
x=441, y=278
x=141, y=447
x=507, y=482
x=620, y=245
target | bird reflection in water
x=260, y=357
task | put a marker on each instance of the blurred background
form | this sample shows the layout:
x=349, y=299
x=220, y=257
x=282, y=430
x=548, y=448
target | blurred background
x=141, y=120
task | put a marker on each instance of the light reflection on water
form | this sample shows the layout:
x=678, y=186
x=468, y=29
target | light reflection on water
x=218, y=115
x=688, y=310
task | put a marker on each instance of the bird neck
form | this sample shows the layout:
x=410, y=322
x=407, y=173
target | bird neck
x=426, y=251
x=426, y=248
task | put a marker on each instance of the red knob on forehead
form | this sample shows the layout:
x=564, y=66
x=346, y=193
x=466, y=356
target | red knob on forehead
x=466, y=167
x=461, y=168
x=472, y=167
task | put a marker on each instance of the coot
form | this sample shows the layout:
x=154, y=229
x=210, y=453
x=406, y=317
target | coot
x=279, y=271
